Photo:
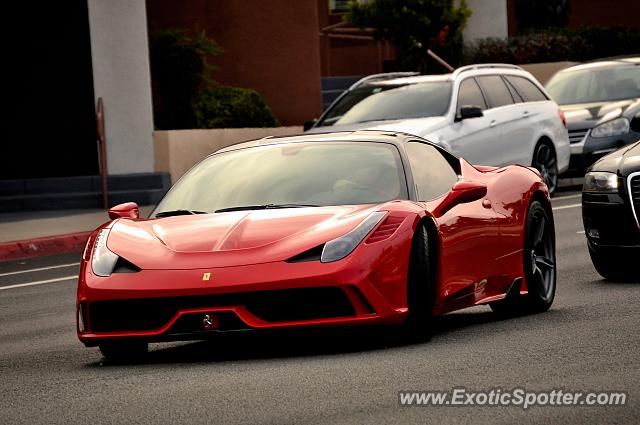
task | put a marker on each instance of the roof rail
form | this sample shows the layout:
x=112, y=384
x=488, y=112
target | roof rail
x=381, y=77
x=466, y=68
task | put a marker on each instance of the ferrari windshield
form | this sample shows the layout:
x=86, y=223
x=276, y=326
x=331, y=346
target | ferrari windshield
x=390, y=102
x=595, y=85
x=289, y=175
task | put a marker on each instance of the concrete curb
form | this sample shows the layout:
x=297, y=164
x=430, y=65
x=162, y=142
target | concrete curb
x=61, y=244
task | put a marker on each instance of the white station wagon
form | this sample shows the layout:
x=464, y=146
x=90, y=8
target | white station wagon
x=490, y=114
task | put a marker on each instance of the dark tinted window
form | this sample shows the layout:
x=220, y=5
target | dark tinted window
x=469, y=94
x=390, y=102
x=591, y=83
x=316, y=173
x=496, y=90
x=514, y=94
x=432, y=174
x=528, y=90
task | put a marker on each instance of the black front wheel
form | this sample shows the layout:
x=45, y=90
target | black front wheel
x=613, y=265
x=420, y=287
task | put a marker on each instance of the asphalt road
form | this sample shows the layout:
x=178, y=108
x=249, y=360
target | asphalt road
x=588, y=341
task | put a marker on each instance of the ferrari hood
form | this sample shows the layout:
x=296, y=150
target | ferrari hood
x=231, y=238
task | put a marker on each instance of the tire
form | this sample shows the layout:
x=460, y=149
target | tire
x=539, y=265
x=420, y=287
x=545, y=161
x=120, y=352
x=613, y=267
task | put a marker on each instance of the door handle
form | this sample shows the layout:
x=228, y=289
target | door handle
x=486, y=203
x=493, y=123
x=525, y=114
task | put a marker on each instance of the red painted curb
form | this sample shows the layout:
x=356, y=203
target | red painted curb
x=18, y=250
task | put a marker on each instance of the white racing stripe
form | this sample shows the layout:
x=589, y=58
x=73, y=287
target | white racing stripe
x=39, y=269
x=565, y=207
x=39, y=282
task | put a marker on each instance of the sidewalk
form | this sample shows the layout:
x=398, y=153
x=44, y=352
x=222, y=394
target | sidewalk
x=30, y=234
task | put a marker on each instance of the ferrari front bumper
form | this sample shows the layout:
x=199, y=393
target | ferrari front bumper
x=157, y=305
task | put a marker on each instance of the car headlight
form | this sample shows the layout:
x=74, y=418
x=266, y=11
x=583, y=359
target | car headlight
x=339, y=248
x=103, y=261
x=611, y=128
x=598, y=181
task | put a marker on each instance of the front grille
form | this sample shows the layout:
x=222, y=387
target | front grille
x=576, y=136
x=634, y=192
x=271, y=306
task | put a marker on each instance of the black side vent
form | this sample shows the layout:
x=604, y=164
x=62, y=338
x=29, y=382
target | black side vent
x=312, y=254
x=124, y=266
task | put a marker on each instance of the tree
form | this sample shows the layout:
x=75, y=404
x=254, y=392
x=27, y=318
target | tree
x=414, y=26
x=180, y=70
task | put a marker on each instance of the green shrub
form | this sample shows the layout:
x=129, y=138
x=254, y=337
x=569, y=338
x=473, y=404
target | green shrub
x=232, y=107
x=552, y=45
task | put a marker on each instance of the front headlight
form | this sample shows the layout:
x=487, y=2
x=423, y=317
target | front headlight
x=103, y=261
x=611, y=128
x=339, y=248
x=598, y=181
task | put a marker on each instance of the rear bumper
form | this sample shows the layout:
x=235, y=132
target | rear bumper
x=159, y=305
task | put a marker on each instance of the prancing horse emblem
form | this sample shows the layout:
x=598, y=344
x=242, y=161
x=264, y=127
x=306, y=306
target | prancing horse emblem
x=206, y=276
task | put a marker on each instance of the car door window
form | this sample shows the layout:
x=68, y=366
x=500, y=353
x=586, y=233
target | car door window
x=469, y=94
x=496, y=90
x=529, y=91
x=432, y=173
x=514, y=94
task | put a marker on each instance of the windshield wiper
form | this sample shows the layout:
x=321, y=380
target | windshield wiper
x=264, y=207
x=178, y=212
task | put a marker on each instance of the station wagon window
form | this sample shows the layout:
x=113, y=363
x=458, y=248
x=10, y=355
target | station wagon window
x=529, y=91
x=514, y=93
x=496, y=90
x=469, y=94
x=432, y=173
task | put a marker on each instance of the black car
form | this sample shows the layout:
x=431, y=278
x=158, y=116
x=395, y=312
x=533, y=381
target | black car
x=611, y=211
x=599, y=99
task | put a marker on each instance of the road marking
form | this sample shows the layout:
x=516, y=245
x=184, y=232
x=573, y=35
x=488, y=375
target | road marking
x=580, y=232
x=564, y=207
x=39, y=282
x=566, y=197
x=39, y=269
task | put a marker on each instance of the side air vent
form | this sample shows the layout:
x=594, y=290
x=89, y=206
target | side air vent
x=312, y=254
x=124, y=266
x=385, y=230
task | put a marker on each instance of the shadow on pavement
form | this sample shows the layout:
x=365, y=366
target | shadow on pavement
x=238, y=346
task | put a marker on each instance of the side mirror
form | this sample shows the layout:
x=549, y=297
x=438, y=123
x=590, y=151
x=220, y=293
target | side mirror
x=635, y=123
x=469, y=111
x=461, y=193
x=126, y=210
x=309, y=124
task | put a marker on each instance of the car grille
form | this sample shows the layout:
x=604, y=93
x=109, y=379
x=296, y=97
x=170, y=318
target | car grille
x=634, y=192
x=576, y=136
x=285, y=305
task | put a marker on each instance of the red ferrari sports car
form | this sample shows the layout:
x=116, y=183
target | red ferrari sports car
x=352, y=228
